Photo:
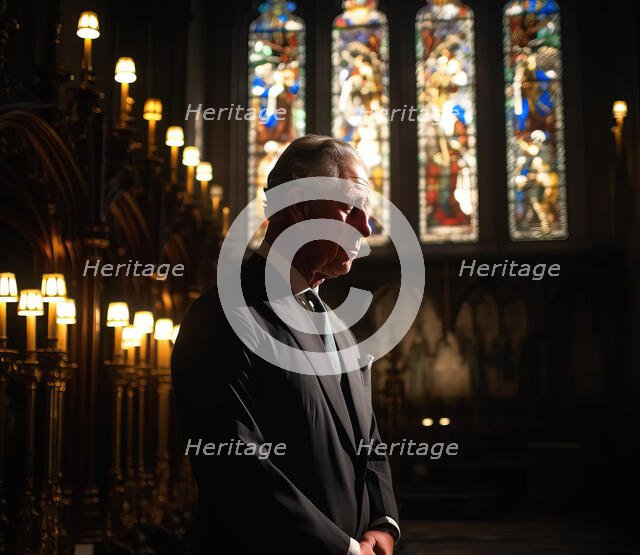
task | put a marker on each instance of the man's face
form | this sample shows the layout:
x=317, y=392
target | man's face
x=326, y=259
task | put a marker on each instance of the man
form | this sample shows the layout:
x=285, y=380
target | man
x=321, y=494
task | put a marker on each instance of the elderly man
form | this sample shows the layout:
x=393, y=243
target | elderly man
x=276, y=452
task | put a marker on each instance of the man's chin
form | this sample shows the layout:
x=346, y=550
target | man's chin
x=343, y=267
x=337, y=270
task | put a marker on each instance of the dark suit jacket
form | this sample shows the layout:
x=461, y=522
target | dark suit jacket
x=318, y=495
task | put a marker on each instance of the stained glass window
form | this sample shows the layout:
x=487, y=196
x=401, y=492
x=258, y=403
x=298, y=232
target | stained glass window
x=446, y=115
x=534, y=120
x=360, y=88
x=276, y=96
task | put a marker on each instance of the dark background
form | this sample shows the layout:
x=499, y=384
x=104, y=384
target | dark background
x=566, y=443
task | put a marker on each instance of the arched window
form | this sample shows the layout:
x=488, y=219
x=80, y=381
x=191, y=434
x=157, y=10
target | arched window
x=360, y=87
x=445, y=78
x=534, y=120
x=276, y=95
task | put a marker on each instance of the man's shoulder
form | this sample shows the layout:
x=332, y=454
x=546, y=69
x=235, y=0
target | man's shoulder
x=251, y=278
x=209, y=303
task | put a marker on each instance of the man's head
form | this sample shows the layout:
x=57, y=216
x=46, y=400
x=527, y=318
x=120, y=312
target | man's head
x=320, y=156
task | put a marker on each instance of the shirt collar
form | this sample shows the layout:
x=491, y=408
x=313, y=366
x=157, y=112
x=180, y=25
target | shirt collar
x=299, y=285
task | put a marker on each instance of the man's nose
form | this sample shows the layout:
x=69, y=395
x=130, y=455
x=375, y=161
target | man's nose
x=362, y=222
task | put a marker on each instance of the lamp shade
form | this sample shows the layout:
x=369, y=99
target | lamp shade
x=125, y=70
x=216, y=192
x=163, y=329
x=54, y=288
x=88, y=27
x=175, y=136
x=30, y=303
x=66, y=312
x=143, y=320
x=8, y=288
x=152, y=109
x=117, y=315
x=131, y=337
x=191, y=156
x=204, y=171
x=174, y=334
x=619, y=109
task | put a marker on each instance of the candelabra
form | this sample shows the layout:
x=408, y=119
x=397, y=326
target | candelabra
x=163, y=333
x=42, y=373
x=90, y=207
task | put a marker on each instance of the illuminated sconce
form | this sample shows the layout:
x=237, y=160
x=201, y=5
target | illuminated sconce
x=619, y=112
x=204, y=174
x=152, y=113
x=31, y=306
x=65, y=316
x=444, y=421
x=88, y=29
x=190, y=159
x=174, y=334
x=143, y=320
x=54, y=290
x=225, y=220
x=174, y=139
x=216, y=198
x=8, y=294
x=125, y=74
x=162, y=334
x=117, y=318
x=427, y=422
x=131, y=338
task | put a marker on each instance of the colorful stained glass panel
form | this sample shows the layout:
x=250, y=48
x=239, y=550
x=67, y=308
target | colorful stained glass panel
x=360, y=87
x=447, y=162
x=534, y=120
x=276, y=96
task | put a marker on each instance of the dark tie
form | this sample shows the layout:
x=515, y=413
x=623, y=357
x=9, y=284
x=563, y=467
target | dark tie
x=325, y=331
x=330, y=343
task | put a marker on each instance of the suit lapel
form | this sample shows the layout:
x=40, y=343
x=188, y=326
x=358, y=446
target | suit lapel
x=329, y=383
x=313, y=343
x=344, y=340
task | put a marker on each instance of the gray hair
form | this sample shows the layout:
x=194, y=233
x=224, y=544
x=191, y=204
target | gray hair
x=313, y=156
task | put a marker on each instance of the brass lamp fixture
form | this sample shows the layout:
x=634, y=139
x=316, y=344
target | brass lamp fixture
x=125, y=74
x=131, y=338
x=190, y=159
x=162, y=334
x=54, y=290
x=66, y=315
x=226, y=212
x=174, y=139
x=88, y=29
x=117, y=318
x=152, y=113
x=143, y=320
x=174, y=334
x=8, y=294
x=619, y=112
x=31, y=306
x=216, y=198
x=204, y=174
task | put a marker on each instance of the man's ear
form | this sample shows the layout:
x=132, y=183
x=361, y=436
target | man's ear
x=297, y=206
